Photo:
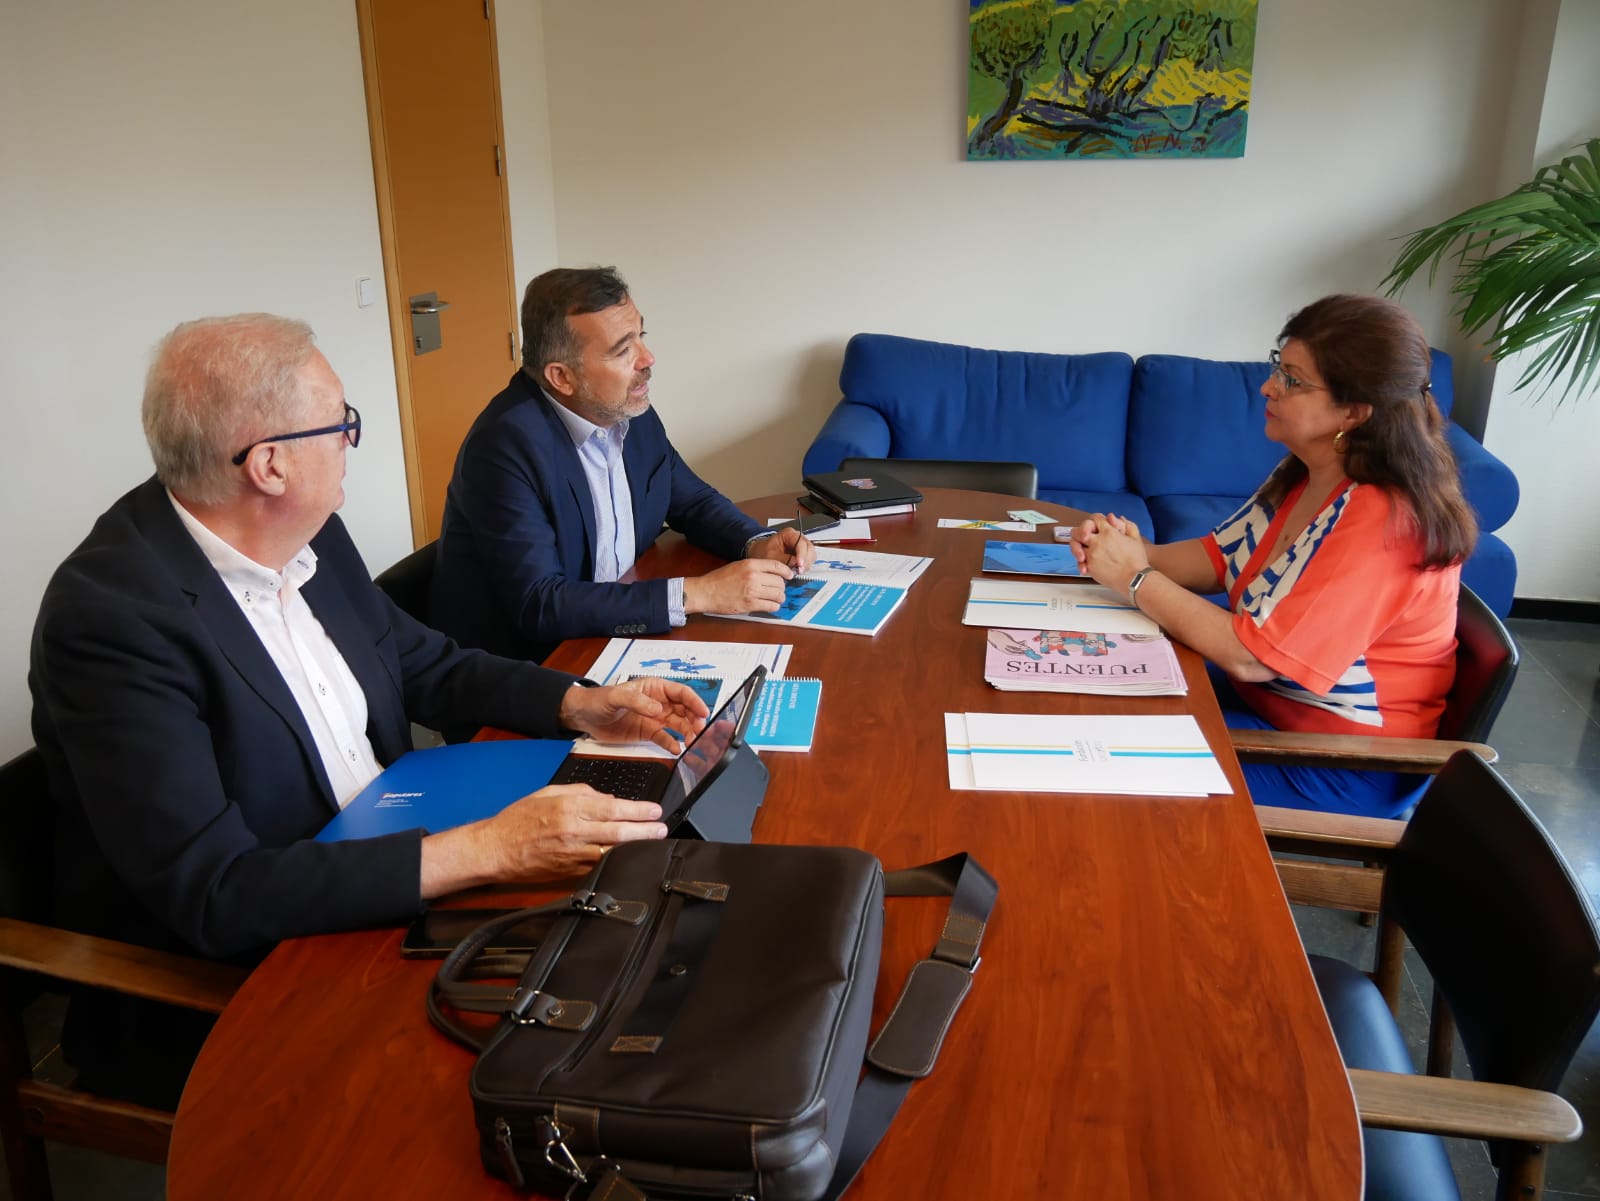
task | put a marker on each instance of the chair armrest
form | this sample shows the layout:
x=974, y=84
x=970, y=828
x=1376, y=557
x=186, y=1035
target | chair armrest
x=122, y=967
x=851, y=430
x=1331, y=885
x=1462, y=1108
x=1316, y=833
x=1292, y=748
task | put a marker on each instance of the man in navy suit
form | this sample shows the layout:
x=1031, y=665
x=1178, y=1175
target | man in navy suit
x=567, y=476
x=214, y=675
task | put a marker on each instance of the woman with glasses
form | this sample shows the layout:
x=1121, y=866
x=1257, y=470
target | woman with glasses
x=1341, y=572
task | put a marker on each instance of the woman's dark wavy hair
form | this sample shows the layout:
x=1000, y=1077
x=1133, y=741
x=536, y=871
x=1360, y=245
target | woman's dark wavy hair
x=1371, y=351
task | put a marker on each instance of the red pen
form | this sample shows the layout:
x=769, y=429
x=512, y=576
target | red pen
x=851, y=542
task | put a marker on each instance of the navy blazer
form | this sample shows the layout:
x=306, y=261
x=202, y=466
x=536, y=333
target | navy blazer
x=516, y=556
x=186, y=782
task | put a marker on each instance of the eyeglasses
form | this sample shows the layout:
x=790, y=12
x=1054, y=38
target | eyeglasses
x=350, y=427
x=1288, y=382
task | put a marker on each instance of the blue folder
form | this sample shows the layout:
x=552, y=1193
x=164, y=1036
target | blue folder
x=448, y=786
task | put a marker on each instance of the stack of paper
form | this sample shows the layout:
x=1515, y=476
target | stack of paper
x=1043, y=605
x=848, y=590
x=1083, y=661
x=1137, y=756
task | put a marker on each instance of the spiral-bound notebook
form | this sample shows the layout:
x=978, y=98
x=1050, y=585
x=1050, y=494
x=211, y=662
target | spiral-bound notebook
x=784, y=717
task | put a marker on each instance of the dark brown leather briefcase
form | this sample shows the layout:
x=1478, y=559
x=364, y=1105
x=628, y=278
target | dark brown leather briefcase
x=694, y=1024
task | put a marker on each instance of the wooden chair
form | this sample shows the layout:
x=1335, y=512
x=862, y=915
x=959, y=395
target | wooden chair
x=1486, y=666
x=1513, y=947
x=36, y=956
x=409, y=581
x=1014, y=479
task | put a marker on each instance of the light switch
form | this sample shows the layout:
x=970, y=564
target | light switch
x=366, y=292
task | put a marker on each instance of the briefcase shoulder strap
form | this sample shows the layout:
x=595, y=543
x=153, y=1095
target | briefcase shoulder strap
x=908, y=1044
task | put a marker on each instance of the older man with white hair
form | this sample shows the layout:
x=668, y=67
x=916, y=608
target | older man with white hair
x=214, y=675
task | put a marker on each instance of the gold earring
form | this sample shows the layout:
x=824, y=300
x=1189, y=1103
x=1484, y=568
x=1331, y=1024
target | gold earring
x=1338, y=443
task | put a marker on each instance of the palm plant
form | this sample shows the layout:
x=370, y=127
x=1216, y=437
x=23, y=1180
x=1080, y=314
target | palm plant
x=1530, y=263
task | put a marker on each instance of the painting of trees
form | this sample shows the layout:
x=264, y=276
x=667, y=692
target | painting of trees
x=1110, y=78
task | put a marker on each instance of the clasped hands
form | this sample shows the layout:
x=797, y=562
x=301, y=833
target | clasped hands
x=1109, y=549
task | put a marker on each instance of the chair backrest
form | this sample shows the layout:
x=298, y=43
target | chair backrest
x=27, y=839
x=409, y=581
x=1012, y=478
x=1502, y=925
x=1486, y=665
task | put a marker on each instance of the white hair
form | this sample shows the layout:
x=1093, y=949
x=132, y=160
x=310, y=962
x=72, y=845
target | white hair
x=215, y=386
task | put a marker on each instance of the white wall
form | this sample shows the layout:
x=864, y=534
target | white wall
x=519, y=26
x=1549, y=445
x=774, y=178
x=162, y=161
x=771, y=178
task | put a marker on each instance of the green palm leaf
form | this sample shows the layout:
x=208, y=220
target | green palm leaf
x=1526, y=265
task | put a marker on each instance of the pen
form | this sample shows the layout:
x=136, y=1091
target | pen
x=854, y=541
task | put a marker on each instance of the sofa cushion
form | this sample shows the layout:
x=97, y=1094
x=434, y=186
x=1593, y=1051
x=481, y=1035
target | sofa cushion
x=1067, y=413
x=1123, y=504
x=1177, y=517
x=1195, y=427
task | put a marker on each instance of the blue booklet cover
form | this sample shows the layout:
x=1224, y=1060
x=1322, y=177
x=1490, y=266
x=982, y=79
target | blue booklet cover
x=1029, y=558
x=447, y=786
x=785, y=714
x=857, y=608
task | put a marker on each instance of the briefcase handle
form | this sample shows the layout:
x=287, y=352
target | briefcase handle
x=451, y=983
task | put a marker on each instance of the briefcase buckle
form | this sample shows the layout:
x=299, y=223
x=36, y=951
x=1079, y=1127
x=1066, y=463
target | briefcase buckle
x=555, y=1148
x=530, y=1007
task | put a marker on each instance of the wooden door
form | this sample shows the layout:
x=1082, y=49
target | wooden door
x=433, y=103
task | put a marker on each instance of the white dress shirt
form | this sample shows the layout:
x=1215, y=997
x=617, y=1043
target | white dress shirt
x=330, y=699
x=600, y=453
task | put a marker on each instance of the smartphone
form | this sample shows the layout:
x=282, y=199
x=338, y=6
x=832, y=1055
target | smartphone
x=437, y=932
x=811, y=523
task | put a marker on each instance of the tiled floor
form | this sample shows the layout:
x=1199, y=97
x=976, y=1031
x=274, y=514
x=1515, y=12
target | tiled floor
x=1548, y=737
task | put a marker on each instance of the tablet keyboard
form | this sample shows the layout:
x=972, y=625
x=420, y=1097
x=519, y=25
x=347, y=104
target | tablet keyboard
x=632, y=779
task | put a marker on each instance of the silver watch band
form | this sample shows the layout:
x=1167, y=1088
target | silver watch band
x=1133, y=584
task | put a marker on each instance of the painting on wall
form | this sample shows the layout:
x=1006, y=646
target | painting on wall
x=1109, y=78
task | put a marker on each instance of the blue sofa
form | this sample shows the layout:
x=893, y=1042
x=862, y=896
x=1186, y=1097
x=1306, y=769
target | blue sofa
x=1175, y=443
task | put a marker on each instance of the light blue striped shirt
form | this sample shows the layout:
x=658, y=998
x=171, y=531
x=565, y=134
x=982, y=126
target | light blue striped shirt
x=600, y=453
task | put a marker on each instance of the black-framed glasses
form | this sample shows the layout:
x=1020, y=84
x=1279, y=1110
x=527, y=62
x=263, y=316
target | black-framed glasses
x=1289, y=382
x=350, y=427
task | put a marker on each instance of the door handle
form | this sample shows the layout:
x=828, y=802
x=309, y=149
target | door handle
x=429, y=306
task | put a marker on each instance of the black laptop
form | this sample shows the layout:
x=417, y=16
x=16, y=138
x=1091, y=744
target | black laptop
x=676, y=785
x=847, y=491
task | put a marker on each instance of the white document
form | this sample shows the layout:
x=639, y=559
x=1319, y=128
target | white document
x=731, y=662
x=867, y=567
x=958, y=751
x=962, y=523
x=1156, y=755
x=1047, y=605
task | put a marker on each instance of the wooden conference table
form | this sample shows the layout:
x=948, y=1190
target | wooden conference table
x=1143, y=1025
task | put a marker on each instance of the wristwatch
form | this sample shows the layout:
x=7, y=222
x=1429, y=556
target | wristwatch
x=1133, y=584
